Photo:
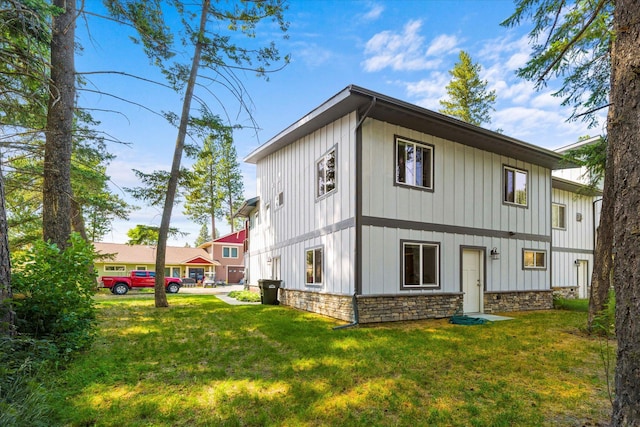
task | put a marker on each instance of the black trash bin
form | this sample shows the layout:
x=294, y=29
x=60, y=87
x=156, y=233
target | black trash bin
x=269, y=291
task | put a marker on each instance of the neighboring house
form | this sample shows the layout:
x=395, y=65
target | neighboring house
x=228, y=252
x=406, y=212
x=575, y=220
x=179, y=261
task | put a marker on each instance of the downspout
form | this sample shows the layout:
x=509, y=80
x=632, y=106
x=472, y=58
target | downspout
x=358, y=266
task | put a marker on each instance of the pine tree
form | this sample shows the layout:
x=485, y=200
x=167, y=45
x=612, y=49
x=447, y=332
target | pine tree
x=468, y=100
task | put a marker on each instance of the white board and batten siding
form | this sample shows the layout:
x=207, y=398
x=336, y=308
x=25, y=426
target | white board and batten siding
x=573, y=245
x=304, y=220
x=467, y=198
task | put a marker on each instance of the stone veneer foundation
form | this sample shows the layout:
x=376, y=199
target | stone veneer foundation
x=496, y=302
x=394, y=308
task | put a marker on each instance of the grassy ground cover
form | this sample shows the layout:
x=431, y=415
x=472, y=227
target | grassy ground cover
x=202, y=362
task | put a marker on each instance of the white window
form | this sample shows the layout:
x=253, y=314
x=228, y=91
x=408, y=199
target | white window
x=280, y=199
x=534, y=259
x=314, y=266
x=326, y=173
x=229, y=252
x=114, y=268
x=515, y=186
x=420, y=265
x=558, y=217
x=141, y=267
x=414, y=164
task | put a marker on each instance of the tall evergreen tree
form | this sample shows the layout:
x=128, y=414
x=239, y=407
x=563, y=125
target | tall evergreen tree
x=203, y=236
x=468, y=99
x=230, y=180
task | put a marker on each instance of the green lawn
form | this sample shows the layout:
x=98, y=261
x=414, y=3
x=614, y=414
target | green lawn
x=203, y=362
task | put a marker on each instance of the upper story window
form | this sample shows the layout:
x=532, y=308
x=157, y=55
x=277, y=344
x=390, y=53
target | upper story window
x=420, y=265
x=414, y=164
x=326, y=173
x=558, y=216
x=280, y=199
x=229, y=252
x=534, y=259
x=515, y=186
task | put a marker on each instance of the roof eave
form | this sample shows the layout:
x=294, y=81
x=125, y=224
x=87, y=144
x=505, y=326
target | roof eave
x=392, y=110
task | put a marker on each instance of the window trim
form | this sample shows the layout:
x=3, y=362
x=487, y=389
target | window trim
x=316, y=190
x=438, y=281
x=231, y=248
x=322, y=272
x=115, y=267
x=141, y=267
x=428, y=146
x=504, y=184
x=535, y=251
x=564, y=207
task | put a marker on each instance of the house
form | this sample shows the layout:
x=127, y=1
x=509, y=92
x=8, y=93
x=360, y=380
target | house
x=372, y=209
x=179, y=261
x=575, y=219
x=228, y=252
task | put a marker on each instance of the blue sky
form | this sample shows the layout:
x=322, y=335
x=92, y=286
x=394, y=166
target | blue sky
x=403, y=49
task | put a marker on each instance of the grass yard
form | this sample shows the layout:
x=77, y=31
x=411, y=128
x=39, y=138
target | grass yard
x=202, y=362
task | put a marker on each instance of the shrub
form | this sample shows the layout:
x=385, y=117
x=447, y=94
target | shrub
x=53, y=292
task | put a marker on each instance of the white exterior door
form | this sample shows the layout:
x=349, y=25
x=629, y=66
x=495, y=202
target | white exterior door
x=583, y=278
x=472, y=280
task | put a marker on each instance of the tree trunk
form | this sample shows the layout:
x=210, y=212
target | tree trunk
x=7, y=315
x=160, y=294
x=231, y=209
x=56, y=192
x=624, y=134
x=77, y=220
x=603, y=261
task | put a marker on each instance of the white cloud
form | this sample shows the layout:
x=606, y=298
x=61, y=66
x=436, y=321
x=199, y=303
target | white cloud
x=405, y=51
x=374, y=12
x=312, y=55
x=443, y=44
x=428, y=92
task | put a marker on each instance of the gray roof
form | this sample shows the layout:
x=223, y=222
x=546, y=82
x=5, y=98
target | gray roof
x=574, y=187
x=392, y=110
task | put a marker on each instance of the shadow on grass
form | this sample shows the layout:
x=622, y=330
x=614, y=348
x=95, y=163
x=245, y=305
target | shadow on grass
x=203, y=362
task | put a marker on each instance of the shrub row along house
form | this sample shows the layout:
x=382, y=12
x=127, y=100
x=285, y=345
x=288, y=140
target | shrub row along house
x=374, y=209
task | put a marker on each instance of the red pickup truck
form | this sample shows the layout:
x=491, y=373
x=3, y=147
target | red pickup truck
x=120, y=285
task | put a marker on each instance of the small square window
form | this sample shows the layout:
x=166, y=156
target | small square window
x=515, y=186
x=534, y=259
x=558, y=216
x=420, y=265
x=280, y=199
x=229, y=252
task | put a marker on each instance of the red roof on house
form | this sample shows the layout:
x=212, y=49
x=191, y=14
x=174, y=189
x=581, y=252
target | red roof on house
x=236, y=237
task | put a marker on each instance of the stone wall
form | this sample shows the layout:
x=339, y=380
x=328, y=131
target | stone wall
x=566, y=292
x=374, y=309
x=395, y=308
x=336, y=306
x=496, y=302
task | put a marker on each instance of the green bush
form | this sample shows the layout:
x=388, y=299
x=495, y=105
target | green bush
x=245, y=296
x=53, y=294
